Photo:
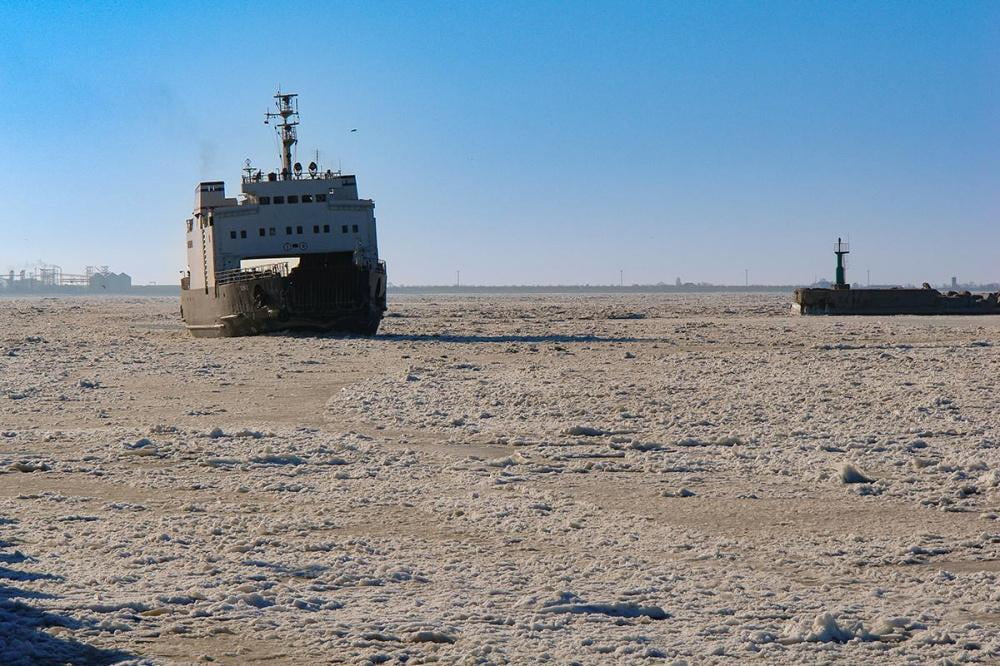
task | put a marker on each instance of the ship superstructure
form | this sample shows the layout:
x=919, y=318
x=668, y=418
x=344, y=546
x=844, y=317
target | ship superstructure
x=297, y=249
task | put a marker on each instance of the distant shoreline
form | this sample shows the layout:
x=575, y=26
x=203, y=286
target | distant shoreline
x=141, y=290
x=454, y=290
x=170, y=290
x=587, y=289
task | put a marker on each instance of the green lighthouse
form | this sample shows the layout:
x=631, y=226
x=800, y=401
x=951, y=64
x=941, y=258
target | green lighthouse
x=840, y=249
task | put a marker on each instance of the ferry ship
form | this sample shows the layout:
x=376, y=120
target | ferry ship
x=296, y=249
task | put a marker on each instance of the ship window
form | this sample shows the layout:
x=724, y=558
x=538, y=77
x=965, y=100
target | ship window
x=232, y=234
x=354, y=228
x=298, y=230
x=343, y=229
x=279, y=200
x=190, y=225
x=271, y=231
x=262, y=232
x=293, y=198
x=315, y=228
x=263, y=201
x=320, y=197
x=307, y=198
x=190, y=244
x=326, y=228
x=243, y=233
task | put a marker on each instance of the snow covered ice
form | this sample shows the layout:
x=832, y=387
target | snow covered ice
x=629, y=479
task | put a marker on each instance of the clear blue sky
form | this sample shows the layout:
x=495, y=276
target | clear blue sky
x=522, y=142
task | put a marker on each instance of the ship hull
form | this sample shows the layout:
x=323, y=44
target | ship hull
x=809, y=301
x=316, y=296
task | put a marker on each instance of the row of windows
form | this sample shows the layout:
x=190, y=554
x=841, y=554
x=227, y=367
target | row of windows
x=292, y=198
x=271, y=231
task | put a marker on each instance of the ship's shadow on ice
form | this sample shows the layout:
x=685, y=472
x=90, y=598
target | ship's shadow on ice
x=23, y=639
x=467, y=339
x=533, y=339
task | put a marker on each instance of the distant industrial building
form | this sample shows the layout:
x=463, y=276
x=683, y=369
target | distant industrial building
x=113, y=282
x=47, y=278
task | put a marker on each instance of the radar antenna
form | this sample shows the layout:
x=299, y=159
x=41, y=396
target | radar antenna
x=288, y=110
x=248, y=169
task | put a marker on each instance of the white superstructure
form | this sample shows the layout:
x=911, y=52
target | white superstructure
x=281, y=215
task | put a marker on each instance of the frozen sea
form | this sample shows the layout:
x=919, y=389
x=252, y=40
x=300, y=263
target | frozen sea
x=699, y=479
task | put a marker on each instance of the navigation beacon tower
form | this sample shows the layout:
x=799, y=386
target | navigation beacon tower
x=840, y=249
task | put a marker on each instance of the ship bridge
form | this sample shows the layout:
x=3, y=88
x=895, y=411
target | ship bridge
x=333, y=187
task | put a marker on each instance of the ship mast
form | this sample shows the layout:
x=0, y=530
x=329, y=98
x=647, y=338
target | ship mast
x=288, y=110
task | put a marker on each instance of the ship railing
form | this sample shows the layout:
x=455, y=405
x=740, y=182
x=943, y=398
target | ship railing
x=260, y=177
x=252, y=273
